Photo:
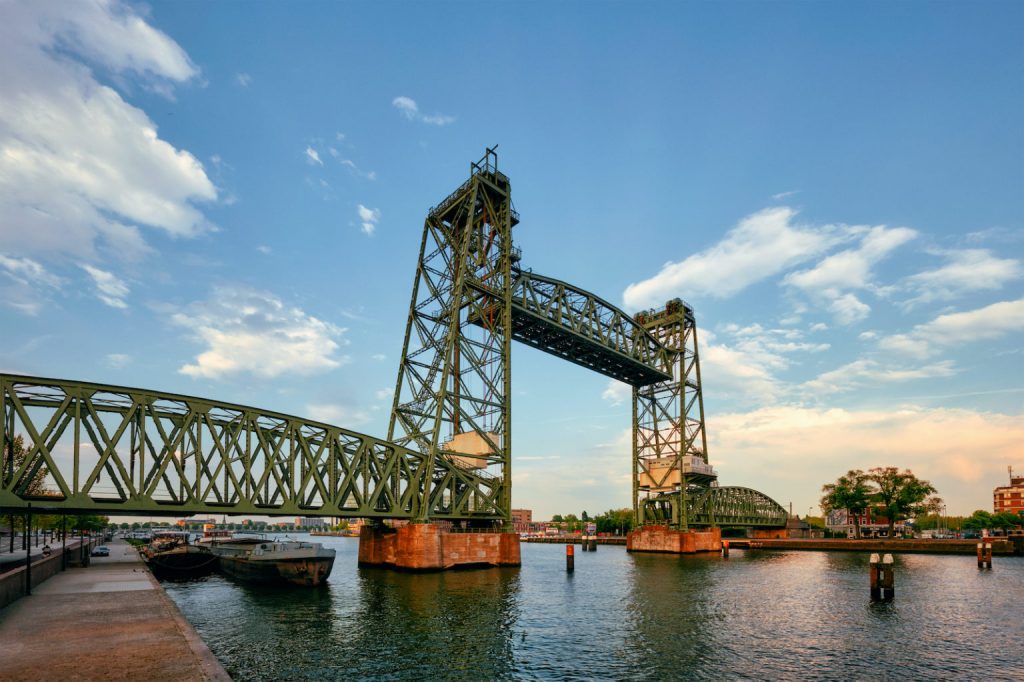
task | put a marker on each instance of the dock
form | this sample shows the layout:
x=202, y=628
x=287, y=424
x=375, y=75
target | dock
x=109, y=621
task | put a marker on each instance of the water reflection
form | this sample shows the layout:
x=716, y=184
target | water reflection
x=795, y=615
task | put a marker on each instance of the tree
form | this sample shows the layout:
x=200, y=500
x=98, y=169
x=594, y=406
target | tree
x=557, y=518
x=900, y=494
x=852, y=492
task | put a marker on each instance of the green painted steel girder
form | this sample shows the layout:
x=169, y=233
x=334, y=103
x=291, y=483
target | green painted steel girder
x=113, y=449
x=578, y=326
x=724, y=507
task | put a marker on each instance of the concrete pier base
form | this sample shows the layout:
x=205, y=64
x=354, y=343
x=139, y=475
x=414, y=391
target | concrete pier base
x=671, y=541
x=425, y=547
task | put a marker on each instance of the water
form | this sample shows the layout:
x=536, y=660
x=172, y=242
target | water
x=758, y=614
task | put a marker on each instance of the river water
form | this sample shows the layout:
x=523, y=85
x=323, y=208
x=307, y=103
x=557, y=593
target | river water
x=757, y=614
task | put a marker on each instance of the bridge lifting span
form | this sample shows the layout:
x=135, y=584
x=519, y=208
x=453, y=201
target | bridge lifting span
x=111, y=449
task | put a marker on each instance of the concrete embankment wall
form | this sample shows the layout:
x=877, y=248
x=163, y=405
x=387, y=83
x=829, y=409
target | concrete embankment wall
x=999, y=547
x=12, y=583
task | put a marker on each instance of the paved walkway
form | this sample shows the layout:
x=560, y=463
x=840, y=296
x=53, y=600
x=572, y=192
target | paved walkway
x=111, y=621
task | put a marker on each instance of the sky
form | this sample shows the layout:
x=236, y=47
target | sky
x=227, y=200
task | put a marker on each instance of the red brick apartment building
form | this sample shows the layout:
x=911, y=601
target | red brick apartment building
x=1009, y=498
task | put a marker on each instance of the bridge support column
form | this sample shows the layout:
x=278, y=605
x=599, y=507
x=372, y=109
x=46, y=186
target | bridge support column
x=426, y=547
x=671, y=541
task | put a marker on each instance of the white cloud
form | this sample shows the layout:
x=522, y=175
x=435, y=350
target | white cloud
x=789, y=452
x=761, y=245
x=384, y=394
x=617, y=392
x=965, y=271
x=28, y=284
x=264, y=249
x=243, y=79
x=865, y=371
x=851, y=269
x=954, y=329
x=109, y=288
x=313, y=156
x=408, y=108
x=117, y=360
x=337, y=415
x=785, y=195
x=248, y=331
x=828, y=283
x=848, y=309
x=80, y=168
x=28, y=272
x=379, y=357
x=369, y=217
x=819, y=327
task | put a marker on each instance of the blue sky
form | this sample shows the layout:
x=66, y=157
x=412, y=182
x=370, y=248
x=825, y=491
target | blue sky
x=227, y=200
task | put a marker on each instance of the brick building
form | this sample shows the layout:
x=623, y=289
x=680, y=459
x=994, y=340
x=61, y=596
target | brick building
x=522, y=520
x=1009, y=498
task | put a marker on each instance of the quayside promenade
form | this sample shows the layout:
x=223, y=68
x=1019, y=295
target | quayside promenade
x=110, y=621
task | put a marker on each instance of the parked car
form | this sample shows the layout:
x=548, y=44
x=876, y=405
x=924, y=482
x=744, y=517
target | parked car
x=971, y=535
x=102, y=550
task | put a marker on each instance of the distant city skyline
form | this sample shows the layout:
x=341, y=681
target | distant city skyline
x=226, y=200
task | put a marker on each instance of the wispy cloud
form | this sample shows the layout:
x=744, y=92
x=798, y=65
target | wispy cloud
x=245, y=331
x=965, y=271
x=243, y=79
x=785, y=195
x=408, y=108
x=117, y=360
x=313, y=156
x=337, y=415
x=369, y=217
x=829, y=282
x=617, y=392
x=761, y=245
x=955, y=329
x=109, y=288
x=865, y=371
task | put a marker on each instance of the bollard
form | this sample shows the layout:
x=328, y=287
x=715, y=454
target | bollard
x=873, y=575
x=569, y=549
x=725, y=548
x=593, y=544
x=984, y=555
x=887, y=579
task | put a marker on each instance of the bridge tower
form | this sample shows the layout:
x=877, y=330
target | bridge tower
x=452, y=394
x=670, y=446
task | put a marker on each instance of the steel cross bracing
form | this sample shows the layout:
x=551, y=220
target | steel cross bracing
x=110, y=449
x=669, y=440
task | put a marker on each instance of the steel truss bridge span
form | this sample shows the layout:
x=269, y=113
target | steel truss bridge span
x=725, y=506
x=111, y=449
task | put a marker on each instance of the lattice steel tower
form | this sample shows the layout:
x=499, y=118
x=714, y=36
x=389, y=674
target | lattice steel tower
x=670, y=460
x=452, y=396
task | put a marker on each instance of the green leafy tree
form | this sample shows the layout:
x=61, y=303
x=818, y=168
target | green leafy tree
x=1006, y=520
x=852, y=492
x=557, y=518
x=900, y=495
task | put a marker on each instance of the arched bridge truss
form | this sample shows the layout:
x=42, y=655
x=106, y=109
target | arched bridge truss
x=447, y=455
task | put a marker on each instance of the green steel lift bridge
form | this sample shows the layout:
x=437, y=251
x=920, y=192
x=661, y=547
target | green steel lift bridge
x=448, y=452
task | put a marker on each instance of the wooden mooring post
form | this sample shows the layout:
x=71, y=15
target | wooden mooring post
x=984, y=555
x=725, y=548
x=882, y=578
x=569, y=558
